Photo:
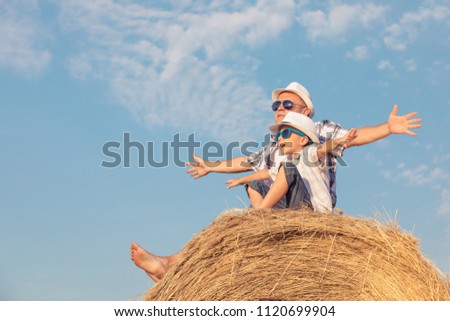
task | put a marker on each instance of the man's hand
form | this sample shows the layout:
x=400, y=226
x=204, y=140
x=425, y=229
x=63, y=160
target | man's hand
x=198, y=169
x=403, y=124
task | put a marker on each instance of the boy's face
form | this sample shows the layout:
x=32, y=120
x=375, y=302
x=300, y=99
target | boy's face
x=293, y=144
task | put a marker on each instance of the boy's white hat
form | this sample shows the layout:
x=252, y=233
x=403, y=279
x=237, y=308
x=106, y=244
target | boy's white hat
x=296, y=88
x=298, y=121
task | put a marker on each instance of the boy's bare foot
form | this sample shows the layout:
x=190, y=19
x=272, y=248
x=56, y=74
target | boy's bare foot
x=155, y=266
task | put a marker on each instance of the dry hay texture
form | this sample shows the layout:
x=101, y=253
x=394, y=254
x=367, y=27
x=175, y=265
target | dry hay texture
x=298, y=256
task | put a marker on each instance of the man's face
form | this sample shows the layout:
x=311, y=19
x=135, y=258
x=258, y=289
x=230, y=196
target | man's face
x=299, y=107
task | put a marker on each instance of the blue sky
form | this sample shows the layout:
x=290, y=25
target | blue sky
x=75, y=75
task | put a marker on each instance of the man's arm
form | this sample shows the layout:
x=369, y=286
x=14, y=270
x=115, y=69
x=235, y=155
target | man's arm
x=256, y=176
x=201, y=167
x=395, y=125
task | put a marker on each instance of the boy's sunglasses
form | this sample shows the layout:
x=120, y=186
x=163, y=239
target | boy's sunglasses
x=285, y=133
x=287, y=104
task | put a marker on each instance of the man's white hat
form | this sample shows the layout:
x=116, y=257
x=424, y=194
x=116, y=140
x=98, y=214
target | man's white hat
x=296, y=88
x=298, y=121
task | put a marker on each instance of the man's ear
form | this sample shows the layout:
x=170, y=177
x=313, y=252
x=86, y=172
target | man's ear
x=306, y=111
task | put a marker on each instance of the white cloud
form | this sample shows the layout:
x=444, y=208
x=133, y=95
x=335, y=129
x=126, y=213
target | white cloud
x=358, y=53
x=410, y=65
x=179, y=66
x=444, y=207
x=399, y=35
x=437, y=178
x=384, y=65
x=340, y=19
x=19, y=34
x=423, y=175
x=437, y=72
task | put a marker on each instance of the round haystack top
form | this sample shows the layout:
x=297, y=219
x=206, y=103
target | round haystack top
x=297, y=255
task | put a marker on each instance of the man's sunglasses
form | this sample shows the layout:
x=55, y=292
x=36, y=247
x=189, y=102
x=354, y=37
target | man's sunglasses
x=287, y=104
x=285, y=133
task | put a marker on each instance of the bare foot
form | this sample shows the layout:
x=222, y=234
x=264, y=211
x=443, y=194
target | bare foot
x=155, y=266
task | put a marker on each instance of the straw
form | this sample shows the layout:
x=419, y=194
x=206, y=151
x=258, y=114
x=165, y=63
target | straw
x=298, y=255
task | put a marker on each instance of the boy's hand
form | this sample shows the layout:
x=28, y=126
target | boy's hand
x=351, y=135
x=198, y=169
x=233, y=182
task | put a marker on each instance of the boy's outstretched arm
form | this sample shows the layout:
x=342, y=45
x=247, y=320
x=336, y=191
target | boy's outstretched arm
x=395, y=125
x=256, y=176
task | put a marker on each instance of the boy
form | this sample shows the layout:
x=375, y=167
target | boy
x=300, y=176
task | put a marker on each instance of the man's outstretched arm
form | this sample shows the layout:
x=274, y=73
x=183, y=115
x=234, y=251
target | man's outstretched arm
x=395, y=125
x=201, y=167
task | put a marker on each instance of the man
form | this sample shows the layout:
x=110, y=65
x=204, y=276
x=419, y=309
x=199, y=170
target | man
x=294, y=98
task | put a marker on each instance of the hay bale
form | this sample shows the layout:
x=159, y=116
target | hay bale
x=301, y=255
